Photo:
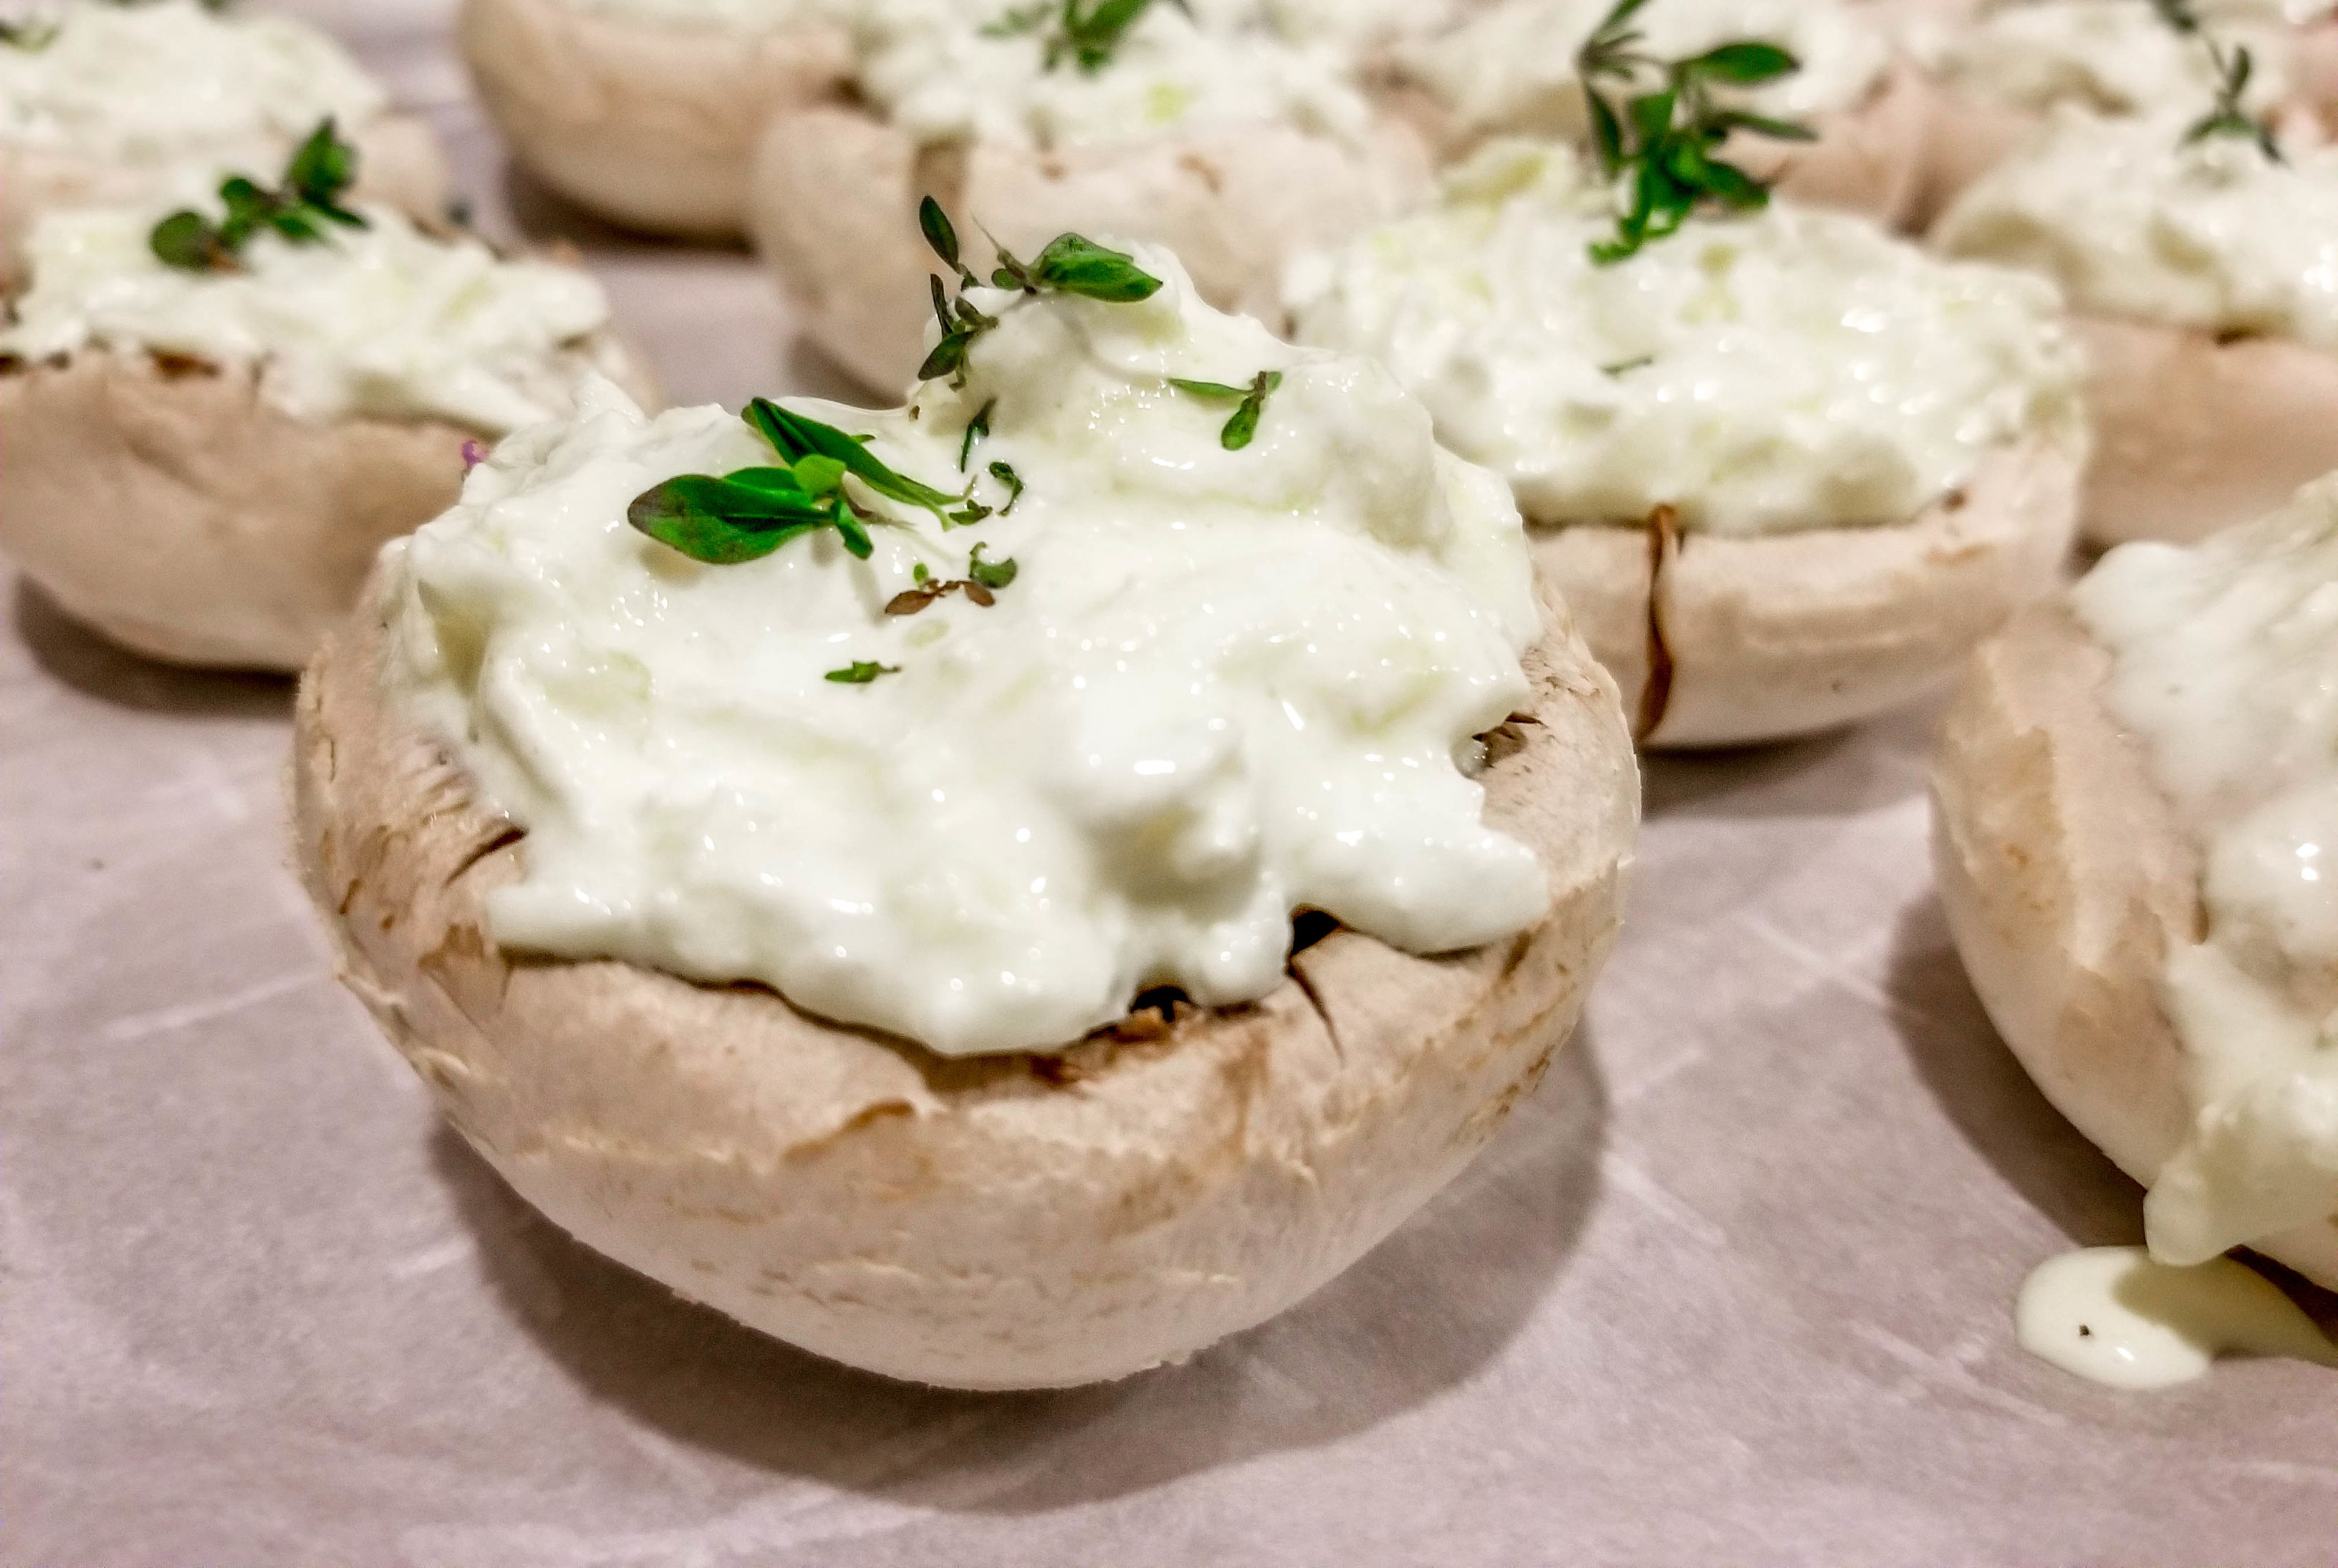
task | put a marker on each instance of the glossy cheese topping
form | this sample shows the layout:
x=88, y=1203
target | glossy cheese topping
x=1784, y=370
x=1511, y=67
x=384, y=320
x=1222, y=685
x=2213, y=235
x=2226, y=668
x=946, y=73
x=178, y=88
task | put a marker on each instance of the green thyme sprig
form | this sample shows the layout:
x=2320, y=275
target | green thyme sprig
x=1088, y=34
x=2227, y=118
x=308, y=199
x=1665, y=138
x=1243, y=427
x=860, y=672
x=1069, y=265
x=746, y=515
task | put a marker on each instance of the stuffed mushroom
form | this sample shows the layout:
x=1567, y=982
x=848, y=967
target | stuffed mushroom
x=843, y=864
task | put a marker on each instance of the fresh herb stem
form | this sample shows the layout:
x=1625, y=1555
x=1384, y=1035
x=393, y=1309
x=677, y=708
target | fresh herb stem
x=2227, y=117
x=1243, y=428
x=861, y=673
x=1069, y=265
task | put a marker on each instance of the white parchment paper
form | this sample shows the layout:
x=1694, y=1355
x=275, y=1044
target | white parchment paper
x=1733, y=1289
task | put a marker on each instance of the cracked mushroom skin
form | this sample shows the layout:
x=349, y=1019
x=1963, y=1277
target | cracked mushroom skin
x=2068, y=879
x=650, y=125
x=988, y=1223
x=1729, y=642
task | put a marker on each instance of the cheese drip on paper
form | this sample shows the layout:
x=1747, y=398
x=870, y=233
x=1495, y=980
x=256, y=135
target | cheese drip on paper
x=1222, y=686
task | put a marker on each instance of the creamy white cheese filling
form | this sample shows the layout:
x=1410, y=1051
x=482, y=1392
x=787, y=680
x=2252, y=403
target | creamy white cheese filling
x=383, y=320
x=2213, y=235
x=1783, y=370
x=1222, y=686
x=2227, y=669
x=2111, y=56
x=1512, y=68
x=180, y=90
x=944, y=71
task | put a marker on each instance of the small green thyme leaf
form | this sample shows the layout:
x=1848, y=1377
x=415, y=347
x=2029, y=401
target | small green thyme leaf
x=1072, y=264
x=1625, y=367
x=1005, y=475
x=2228, y=118
x=977, y=429
x=919, y=575
x=860, y=672
x=990, y=574
x=1743, y=64
x=188, y=241
x=1243, y=428
x=1209, y=389
x=30, y=36
x=722, y=522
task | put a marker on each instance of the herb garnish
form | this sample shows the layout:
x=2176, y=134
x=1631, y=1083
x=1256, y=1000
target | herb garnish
x=2228, y=118
x=1243, y=426
x=747, y=514
x=2178, y=15
x=1069, y=265
x=977, y=429
x=990, y=573
x=860, y=672
x=1665, y=138
x=31, y=35
x=1013, y=481
x=1088, y=34
x=321, y=168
